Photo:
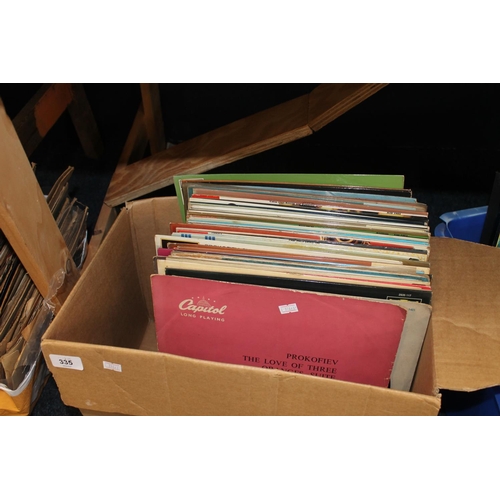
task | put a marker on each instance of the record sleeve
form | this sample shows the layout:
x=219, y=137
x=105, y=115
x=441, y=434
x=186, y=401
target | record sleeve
x=328, y=336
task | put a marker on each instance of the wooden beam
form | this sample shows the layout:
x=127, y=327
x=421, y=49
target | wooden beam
x=40, y=113
x=265, y=130
x=84, y=122
x=330, y=100
x=26, y=220
x=43, y=110
x=153, y=116
x=134, y=148
x=137, y=140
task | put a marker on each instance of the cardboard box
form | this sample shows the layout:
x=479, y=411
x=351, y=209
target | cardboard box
x=101, y=347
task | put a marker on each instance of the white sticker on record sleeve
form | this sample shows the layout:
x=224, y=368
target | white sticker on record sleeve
x=289, y=308
x=70, y=362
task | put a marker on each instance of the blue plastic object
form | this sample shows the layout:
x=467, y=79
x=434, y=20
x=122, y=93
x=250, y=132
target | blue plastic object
x=485, y=402
x=463, y=224
x=467, y=225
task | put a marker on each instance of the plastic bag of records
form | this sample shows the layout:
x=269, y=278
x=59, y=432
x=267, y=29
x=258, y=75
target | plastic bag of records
x=25, y=314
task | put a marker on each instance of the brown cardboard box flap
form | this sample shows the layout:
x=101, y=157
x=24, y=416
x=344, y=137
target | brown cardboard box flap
x=465, y=314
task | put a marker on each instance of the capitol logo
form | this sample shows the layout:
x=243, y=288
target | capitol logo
x=201, y=305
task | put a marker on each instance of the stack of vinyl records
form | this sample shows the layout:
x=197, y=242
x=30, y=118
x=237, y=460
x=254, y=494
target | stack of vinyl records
x=21, y=323
x=357, y=236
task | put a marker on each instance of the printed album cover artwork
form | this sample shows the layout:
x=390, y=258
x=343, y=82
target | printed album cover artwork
x=321, y=335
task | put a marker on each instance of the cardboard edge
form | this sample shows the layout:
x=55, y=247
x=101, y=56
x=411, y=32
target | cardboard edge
x=465, y=316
